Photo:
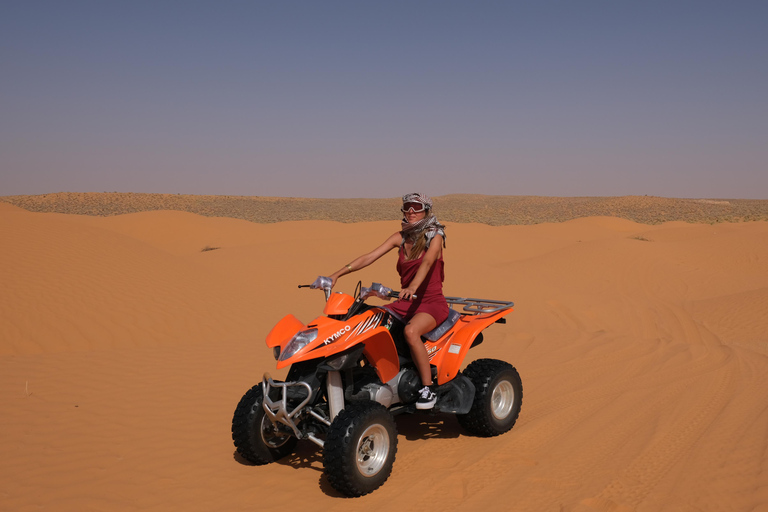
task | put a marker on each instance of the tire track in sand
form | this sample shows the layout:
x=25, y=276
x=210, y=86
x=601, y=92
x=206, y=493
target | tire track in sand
x=633, y=484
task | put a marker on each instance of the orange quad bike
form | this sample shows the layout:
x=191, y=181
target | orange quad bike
x=350, y=371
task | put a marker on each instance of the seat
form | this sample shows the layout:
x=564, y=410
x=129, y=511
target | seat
x=436, y=333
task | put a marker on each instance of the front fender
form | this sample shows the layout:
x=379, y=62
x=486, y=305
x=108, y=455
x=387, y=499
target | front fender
x=381, y=352
x=284, y=331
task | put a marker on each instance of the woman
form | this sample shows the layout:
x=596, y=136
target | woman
x=420, y=265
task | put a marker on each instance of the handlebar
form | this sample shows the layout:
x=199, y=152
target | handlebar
x=375, y=287
x=395, y=294
x=471, y=306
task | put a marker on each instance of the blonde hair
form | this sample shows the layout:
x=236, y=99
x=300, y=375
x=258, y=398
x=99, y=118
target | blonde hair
x=420, y=245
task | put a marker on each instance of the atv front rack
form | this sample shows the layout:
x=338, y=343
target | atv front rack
x=479, y=306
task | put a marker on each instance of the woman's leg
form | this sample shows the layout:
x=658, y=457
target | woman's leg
x=420, y=324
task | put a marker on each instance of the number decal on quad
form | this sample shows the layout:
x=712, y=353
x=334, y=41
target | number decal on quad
x=431, y=352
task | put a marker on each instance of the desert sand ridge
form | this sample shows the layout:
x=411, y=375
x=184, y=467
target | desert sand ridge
x=483, y=209
x=124, y=349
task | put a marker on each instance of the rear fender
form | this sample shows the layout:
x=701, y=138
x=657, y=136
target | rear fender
x=459, y=341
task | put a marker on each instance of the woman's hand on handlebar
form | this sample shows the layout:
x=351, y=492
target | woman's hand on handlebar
x=407, y=293
x=324, y=283
x=334, y=278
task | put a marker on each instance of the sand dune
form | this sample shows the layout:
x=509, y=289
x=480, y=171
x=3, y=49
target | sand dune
x=124, y=348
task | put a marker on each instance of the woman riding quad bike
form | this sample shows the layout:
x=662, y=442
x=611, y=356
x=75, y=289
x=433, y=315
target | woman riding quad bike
x=351, y=371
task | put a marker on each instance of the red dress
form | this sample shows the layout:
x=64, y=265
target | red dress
x=430, y=298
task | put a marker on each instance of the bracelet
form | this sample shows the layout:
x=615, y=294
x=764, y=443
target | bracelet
x=349, y=267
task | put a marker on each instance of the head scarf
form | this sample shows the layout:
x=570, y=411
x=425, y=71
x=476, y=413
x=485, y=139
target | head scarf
x=428, y=226
x=418, y=198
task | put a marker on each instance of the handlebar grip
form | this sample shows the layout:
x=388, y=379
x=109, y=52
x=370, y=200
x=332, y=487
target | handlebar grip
x=393, y=294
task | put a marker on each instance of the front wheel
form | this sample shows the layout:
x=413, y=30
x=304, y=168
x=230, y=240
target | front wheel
x=360, y=449
x=255, y=437
x=498, y=398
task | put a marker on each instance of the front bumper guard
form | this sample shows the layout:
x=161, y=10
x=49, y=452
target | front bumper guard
x=277, y=411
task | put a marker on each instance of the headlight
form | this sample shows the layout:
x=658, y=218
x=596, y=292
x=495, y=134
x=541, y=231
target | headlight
x=300, y=340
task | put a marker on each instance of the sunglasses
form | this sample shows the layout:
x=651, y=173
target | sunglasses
x=413, y=207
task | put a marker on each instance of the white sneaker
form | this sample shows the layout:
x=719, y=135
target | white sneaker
x=427, y=398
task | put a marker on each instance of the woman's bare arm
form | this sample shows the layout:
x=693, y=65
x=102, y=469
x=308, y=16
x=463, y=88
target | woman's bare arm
x=366, y=259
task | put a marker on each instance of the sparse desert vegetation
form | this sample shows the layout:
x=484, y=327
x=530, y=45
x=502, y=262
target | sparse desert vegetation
x=482, y=209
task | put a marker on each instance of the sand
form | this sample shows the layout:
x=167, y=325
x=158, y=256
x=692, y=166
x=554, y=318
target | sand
x=124, y=348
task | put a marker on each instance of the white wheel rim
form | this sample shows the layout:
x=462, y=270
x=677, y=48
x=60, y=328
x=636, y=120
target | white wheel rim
x=502, y=400
x=372, y=450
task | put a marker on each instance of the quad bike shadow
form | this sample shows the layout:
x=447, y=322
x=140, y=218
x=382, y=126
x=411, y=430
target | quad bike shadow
x=350, y=373
x=412, y=427
x=415, y=427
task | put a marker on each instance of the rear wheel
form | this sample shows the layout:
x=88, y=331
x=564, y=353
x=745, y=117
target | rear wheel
x=255, y=437
x=360, y=449
x=498, y=398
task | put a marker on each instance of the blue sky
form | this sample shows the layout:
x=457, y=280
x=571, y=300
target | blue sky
x=377, y=98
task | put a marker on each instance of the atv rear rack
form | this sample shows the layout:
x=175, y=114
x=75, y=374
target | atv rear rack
x=480, y=306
